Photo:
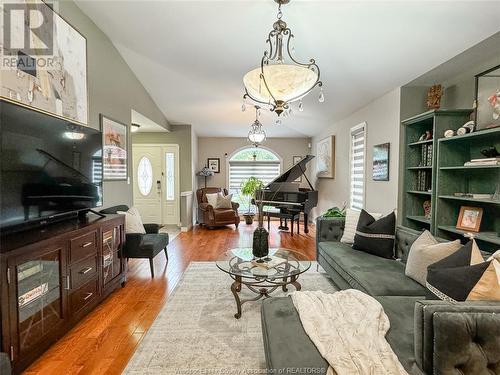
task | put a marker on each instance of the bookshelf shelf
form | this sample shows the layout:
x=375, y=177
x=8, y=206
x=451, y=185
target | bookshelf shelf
x=420, y=167
x=491, y=237
x=467, y=199
x=420, y=219
x=473, y=167
x=419, y=192
x=419, y=143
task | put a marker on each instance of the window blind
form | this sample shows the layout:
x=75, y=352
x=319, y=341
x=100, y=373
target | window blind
x=357, y=166
x=239, y=171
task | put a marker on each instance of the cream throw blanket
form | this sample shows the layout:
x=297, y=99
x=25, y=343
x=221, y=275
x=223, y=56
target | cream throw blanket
x=348, y=329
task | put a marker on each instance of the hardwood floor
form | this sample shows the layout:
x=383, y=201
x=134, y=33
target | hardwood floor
x=106, y=339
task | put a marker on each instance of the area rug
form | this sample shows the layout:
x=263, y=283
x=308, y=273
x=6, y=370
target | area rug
x=196, y=332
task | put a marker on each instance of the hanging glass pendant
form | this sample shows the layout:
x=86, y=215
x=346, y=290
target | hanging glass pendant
x=321, y=97
x=278, y=122
x=256, y=135
x=281, y=79
x=301, y=106
x=243, y=107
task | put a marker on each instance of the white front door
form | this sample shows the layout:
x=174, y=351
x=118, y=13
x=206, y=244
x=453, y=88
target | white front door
x=156, y=183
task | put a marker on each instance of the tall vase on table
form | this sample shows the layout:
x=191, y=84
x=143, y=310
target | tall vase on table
x=260, y=245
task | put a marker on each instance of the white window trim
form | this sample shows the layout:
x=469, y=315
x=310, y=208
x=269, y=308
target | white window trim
x=229, y=157
x=355, y=129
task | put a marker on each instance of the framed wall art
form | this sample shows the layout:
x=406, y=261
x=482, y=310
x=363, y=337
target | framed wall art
x=295, y=160
x=47, y=73
x=381, y=155
x=214, y=164
x=114, y=143
x=325, y=163
x=488, y=99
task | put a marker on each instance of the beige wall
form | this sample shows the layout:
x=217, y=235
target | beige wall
x=382, y=119
x=218, y=147
x=180, y=135
x=113, y=90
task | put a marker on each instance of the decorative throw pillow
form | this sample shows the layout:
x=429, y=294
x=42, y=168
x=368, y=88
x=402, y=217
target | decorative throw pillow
x=212, y=199
x=464, y=276
x=425, y=251
x=224, y=201
x=133, y=221
x=351, y=222
x=375, y=236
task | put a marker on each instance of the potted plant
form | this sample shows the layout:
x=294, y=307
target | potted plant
x=248, y=189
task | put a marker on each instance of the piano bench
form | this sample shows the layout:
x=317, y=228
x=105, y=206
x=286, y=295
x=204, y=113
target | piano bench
x=286, y=215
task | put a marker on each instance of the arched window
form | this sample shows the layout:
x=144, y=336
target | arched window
x=261, y=163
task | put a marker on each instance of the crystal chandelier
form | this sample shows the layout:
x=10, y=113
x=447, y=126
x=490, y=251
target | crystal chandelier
x=256, y=135
x=281, y=79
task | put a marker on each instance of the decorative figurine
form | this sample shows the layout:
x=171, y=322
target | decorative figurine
x=449, y=133
x=490, y=152
x=434, y=97
x=427, y=209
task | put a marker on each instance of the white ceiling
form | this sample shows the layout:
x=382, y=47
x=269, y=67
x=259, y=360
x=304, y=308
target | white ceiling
x=191, y=55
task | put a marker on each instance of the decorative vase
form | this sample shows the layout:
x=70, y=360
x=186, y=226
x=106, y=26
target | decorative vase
x=260, y=246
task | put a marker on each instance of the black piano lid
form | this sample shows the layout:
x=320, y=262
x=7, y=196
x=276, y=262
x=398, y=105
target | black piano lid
x=294, y=172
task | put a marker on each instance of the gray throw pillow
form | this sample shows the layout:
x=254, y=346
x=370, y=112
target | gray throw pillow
x=425, y=251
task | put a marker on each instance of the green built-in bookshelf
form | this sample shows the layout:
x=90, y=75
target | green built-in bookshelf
x=420, y=163
x=453, y=177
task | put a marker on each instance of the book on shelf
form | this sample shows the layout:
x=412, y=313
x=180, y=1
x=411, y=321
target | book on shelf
x=273, y=262
x=429, y=155
x=485, y=159
x=488, y=162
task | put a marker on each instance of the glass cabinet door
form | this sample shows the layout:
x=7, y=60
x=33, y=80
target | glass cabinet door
x=39, y=297
x=111, y=260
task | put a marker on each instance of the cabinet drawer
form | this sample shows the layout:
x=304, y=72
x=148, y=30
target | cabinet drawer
x=83, y=271
x=83, y=296
x=83, y=246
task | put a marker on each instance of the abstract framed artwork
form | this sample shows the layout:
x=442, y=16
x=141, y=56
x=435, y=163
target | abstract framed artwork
x=214, y=164
x=381, y=155
x=48, y=74
x=295, y=160
x=114, y=142
x=487, y=109
x=325, y=163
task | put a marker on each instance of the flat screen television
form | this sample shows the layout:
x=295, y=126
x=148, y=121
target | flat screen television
x=49, y=168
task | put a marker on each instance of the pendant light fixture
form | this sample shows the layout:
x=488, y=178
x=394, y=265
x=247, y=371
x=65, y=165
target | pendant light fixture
x=281, y=79
x=256, y=135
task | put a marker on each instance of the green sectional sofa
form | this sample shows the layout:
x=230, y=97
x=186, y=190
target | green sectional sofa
x=428, y=336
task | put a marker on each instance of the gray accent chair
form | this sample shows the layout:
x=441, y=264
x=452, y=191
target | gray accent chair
x=138, y=245
x=428, y=336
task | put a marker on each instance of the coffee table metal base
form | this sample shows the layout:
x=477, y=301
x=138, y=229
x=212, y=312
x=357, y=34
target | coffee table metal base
x=262, y=288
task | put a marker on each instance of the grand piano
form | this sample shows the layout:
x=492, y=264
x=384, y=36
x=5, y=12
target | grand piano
x=287, y=195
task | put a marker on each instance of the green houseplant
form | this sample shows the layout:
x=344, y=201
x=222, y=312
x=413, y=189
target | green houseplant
x=248, y=189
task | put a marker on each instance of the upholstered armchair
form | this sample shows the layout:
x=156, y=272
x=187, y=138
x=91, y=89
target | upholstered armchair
x=215, y=217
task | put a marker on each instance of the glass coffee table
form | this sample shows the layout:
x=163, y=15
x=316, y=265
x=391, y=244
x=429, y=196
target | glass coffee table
x=240, y=264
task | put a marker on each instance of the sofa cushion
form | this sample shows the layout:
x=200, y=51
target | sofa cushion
x=400, y=310
x=287, y=345
x=288, y=348
x=369, y=273
x=224, y=214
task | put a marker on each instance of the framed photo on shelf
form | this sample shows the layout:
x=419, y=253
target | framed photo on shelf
x=296, y=159
x=381, y=155
x=214, y=164
x=469, y=218
x=114, y=147
x=487, y=111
